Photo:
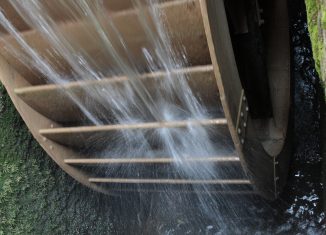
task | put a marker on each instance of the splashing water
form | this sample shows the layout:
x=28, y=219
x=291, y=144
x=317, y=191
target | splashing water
x=130, y=100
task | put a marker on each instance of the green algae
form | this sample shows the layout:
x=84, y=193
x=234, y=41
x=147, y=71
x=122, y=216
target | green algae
x=316, y=17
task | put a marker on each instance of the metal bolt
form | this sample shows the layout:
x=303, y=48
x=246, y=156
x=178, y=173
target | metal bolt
x=244, y=98
x=51, y=125
x=239, y=131
x=247, y=109
x=242, y=114
x=242, y=141
x=51, y=147
x=44, y=139
x=244, y=124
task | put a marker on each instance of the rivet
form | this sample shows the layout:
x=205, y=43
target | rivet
x=51, y=147
x=247, y=109
x=244, y=98
x=242, y=141
x=276, y=163
x=51, y=125
x=244, y=124
x=239, y=131
x=44, y=139
x=242, y=114
x=277, y=178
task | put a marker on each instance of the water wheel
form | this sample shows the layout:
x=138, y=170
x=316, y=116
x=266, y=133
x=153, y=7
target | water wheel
x=217, y=42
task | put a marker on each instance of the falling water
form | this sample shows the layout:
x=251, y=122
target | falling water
x=132, y=98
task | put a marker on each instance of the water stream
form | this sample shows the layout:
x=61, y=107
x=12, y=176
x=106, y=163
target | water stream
x=131, y=101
